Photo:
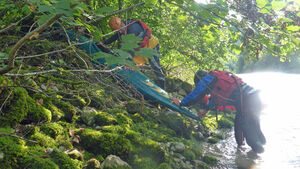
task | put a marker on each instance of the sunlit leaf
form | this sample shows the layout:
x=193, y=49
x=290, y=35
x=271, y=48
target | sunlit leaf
x=293, y=28
x=146, y=52
x=261, y=3
x=285, y=20
x=278, y=5
x=123, y=54
x=45, y=8
x=44, y=18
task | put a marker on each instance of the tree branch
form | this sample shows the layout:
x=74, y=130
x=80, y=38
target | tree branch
x=19, y=137
x=20, y=43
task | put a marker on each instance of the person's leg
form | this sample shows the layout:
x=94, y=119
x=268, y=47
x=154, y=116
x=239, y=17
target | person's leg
x=155, y=64
x=238, y=132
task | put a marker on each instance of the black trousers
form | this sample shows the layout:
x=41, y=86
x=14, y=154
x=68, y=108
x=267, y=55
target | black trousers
x=247, y=122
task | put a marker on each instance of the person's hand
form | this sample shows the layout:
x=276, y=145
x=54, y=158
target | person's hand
x=176, y=101
x=202, y=113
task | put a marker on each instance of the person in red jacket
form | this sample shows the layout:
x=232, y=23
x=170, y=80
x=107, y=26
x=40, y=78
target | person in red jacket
x=226, y=89
x=140, y=29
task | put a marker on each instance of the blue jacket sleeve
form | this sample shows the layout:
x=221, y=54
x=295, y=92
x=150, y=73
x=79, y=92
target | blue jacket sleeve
x=198, y=91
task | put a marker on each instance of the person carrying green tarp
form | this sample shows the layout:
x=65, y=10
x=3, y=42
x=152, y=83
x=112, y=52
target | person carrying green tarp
x=140, y=29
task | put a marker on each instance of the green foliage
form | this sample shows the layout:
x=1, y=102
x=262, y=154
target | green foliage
x=210, y=160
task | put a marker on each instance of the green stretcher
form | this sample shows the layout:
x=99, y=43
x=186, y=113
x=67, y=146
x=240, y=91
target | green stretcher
x=137, y=79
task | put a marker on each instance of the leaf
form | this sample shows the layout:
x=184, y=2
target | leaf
x=293, y=28
x=278, y=5
x=261, y=3
x=285, y=20
x=71, y=132
x=123, y=54
x=146, y=52
x=298, y=14
x=3, y=55
x=44, y=18
x=45, y=8
x=40, y=101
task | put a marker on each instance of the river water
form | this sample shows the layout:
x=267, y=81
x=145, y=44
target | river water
x=280, y=122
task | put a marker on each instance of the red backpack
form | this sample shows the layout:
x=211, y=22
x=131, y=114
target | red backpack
x=225, y=84
x=148, y=33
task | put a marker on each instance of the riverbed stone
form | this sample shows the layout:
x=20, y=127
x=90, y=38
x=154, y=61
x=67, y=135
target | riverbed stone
x=113, y=161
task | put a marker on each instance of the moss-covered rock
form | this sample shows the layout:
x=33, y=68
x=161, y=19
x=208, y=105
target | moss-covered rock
x=12, y=149
x=37, y=113
x=104, y=118
x=43, y=140
x=68, y=110
x=92, y=164
x=52, y=129
x=105, y=143
x=15, y=108
x=210, y=160
x=35, y=162
x=175, y=122
x=133, y=106
x=189, y=155
x=63, y=160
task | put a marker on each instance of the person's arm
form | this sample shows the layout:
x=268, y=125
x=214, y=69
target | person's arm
x=112, y=39
x=198, y=92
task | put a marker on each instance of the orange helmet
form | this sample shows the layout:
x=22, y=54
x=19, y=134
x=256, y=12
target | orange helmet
x=115, y=23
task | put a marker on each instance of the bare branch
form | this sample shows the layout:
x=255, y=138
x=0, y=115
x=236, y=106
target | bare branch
x=20, y=43
x=54, y=70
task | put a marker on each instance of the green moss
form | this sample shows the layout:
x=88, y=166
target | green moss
x=145, y=163
x=149, y=148
x=210, y=160
x=35, y=162
x=12, y=150
x=104, y=118
x=16, y=107
x=37, y=113
x=105, y=143
x=68, y=110
x=43, y=140
x=52, y=129
x=225, y=123
x=213, y=140
x=176, y=123
x=133, y=106
x=63, y=160
x=164, y=166
x=189, y=155
x=92, y=164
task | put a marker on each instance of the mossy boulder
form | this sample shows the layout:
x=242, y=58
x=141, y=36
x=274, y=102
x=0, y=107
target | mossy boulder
x=104, y=118
x=37, y=113
x=114, y=162
x=35, y=162
x=63, y=160
x=210, y=160
x=176, y=122
x=43, y=140
x=133, y=106
x=15, y=108
x=92, y=164
x=104, y=143
x=189, y=155
x=52, y=129
x=68, y=110
x=12, y=149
